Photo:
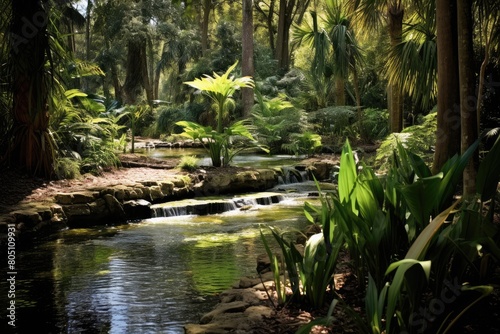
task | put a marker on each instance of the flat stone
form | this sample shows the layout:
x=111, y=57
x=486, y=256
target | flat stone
x=84, y=197
x=249, y=296
x=76, y=210
x=137, y=209
x=268, y=285
x=258, y=312
x=63, y=198
x=167, y=188
x=233, y=307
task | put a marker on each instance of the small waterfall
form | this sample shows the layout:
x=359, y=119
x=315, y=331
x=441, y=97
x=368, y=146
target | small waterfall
x=292, y=175
x=208, y=207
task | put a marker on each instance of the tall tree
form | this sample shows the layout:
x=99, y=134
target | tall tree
x=346, y=52
x=412, y=64
x=289, y=10
x=32, y=147
x=247, y=65
x=489, y=34
x=207, y=7
x=268, y=16
x=371, y=14
x=336, y=51
x=467, y=91
x=448, y=96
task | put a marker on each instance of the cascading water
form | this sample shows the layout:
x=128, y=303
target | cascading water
x=292, y=175
x=203, y=206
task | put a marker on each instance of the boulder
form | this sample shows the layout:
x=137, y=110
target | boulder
x=137, y=209
x=115, y=208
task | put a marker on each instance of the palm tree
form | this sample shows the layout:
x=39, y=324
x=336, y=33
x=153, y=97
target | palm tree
x=371, y=14
x=220, y=89
x=31, y=146
x=346, y=52
x=412, y=64
x=311, y=33
x=335, y=48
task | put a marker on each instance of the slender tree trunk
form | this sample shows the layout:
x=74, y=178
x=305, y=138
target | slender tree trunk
x=85, y=81
x=269, y=22
x=207, y=7
x=467, y=91
x=339, y=91
x=247, y=66
x=357, y=93
x=148, y=71
x=448, y=108
x=394, y=92
x=283, y=37
x=87, y=30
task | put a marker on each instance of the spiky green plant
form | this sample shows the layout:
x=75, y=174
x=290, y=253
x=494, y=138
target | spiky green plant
x=220, y=89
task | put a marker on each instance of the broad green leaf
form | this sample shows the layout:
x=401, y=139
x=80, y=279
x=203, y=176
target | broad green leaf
x=348, y=173
x=421, y=197
x=419, y=246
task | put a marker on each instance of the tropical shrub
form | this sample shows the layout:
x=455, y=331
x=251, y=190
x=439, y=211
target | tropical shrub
x=67, y=168
x=221, y=147
x=311, y=273
x=372, y=124
x=307, y=143
x=335, y=124
x=168, y=116
x=188, y=162
x=275, y=120
x=419, y=139
x=220, y=143
x=400, y=222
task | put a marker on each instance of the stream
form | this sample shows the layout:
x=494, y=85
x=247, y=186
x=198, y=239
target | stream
x=151, y=276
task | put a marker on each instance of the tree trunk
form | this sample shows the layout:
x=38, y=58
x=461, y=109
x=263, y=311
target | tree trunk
x=87, y=30
x=282, y=40
x=247, y=66
x=448, y=108
x=467, y=91
x=339, y=91
x=207, y=7
x=147, y=76
x=85, y=80
x=269, y=22
x=394, y=92
x=357, y=93
x=137, y=73
x=32, y=147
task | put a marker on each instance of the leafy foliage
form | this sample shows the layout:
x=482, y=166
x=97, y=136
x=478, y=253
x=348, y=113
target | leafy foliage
x=188, y=162
x=276, y=120
x=419, y=139
x=399, y=222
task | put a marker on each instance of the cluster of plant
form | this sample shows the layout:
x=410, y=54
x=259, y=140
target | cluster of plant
x=222, y=143
x=89, y=130
x=419, y=139
x=422, y=257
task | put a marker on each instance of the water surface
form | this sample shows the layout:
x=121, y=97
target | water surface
x=147, y=277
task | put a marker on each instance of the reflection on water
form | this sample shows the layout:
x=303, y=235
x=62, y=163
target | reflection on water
x=242, y=160
x=149, y=277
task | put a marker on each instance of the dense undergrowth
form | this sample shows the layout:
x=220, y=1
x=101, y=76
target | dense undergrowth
x=422, y=255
